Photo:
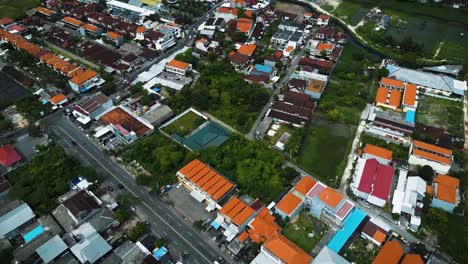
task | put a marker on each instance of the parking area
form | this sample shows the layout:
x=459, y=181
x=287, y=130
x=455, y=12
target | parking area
x=179, y=197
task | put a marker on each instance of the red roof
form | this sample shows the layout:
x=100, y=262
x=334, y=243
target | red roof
x=8, y=156
x=6, y=21
x=376, y=179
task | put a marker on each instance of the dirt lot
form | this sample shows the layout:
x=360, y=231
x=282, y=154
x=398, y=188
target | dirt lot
x=290, y=8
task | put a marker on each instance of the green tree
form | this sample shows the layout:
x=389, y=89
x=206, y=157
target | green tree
x=138, y=230
x=436, y=219
x=108, y=88
x=427, y=173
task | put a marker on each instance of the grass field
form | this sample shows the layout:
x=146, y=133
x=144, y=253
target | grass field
x=185, y=124
x=351, y=12
x=442, y=113
x=306, y=232
x=324, y=150
x=15, y=9
x=283, y=128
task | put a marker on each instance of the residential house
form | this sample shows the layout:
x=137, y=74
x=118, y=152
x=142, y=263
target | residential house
x=410, y=98
x=323, y=20
x=52, y=249
x=85, y=81
x=408, y=198
x=165, y=42
x=421, y=153
x=47, y=13
x=245, y=25
x=375, y=230
x=178, y=67
x=90, y=30
x=18, y=30
x=278, y=249
x=390, y=253
x=289, y=206
x=7, y=22
x=72, y=22
x=90, y=246
x=382, y=155
x=327, y=204
x=91, y=108
x=372, y=181
x=273, y=58
x=388, y=98
x=262, y=226
x=297, y=85
x=350, y=227
x=316, y=83
x=322, y=66
x=324, y=34
x=247, y=49
x=239, y=61
x=322, y=49
x=13, y=216
x=294, y=108
x=226, y=13
x=446, y=193
x=412, y=259
x=326, y=255
x=234, y=217
x=203, y=46
x=303, y=186
x=114, y=38
x=58, y=100
x=205, y=184
x=8, y=156
x=76, y=209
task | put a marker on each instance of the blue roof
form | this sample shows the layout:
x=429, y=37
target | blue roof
x=349, y=226
x=215, y=224
x=51, y=249
x=263, y=68
x=33, y=233
x=410, y=116
x=160, y=252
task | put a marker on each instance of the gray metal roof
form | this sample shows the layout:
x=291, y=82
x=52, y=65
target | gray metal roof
x=445, y=69
x=91, y=246
x=51, y=249
x=327, y=255
x=439, y=82
x=15, y=218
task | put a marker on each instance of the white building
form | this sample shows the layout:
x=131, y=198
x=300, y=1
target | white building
x=178, y=67
x=408, y=196
x=421, y=153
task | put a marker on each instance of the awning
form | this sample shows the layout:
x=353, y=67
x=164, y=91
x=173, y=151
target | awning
x=215, y=224
x=197, y=195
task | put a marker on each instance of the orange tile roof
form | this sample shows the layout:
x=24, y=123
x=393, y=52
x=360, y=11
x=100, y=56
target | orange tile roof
x=243, y=236
x=307, y=14
x=73, y=21
x=59, y=65
x=304, y=185
x=429, y=190
x=141, y=29
x=237, y=211
x=113, y=35
x=378, y=151
x=263, y=226
x=240, y=2
x=324, y=17
x=247, y=49
x=379, y=236
x=248, y=13
x=381, y=96
x=77, y=71
x=289, y=203
x=391, y=82
x=46, y=57
x=90, y=27
x=83, y=77
x=206, y=179
x=330, y=197
x=390, y=253
x=289, y=48
x=53, y=60
x=409, y=97
x=286, y=250
x=244, y=25
x=58, y=98
x=178, y=64
x=433, y=157
x=412, y=259
x=446, y=188
x=45, y=11
x=395, y=98
x=202, y=40
x=324, y=46
x=433, y=148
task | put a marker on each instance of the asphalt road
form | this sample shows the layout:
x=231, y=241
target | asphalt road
x=182, y=238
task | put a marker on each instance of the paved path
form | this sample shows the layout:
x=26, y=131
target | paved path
x=349, y=164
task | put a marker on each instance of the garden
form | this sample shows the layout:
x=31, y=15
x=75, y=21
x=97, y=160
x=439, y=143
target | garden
x=306, y=232
x=441, y=113
x=185, y=124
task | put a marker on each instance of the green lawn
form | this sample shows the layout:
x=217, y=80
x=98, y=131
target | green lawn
x=324, y=150
x=185, y=124
x=16, y=9
x=283, y=128
x=454, y=239
x=306, y=232
x=442, y=113
x=351, y=12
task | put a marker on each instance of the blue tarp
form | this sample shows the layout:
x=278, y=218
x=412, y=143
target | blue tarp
x=156, y=89
x=45, y=101
x=410, y=115
x=215, y=224
x=160, y=252
x=33, y=233
x=350, y=225
x=263, y=68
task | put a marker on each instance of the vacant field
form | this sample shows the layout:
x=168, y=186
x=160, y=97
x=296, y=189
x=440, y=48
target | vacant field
x=324, y=150
x=10, y=91
x=306, y=232
x=351, y=12
x=185, y=124
x=442, y=113
x=16, y=9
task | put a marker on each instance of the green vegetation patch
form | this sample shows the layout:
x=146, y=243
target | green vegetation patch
x=185, y=124
x=324, y=150
x=351, y=12
x=442, y=113
x=399, y=151
x=160, y=156
x=46, y=177
x=306, y=232
x=16, y=9
x=224, y=93
x=361, y=251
